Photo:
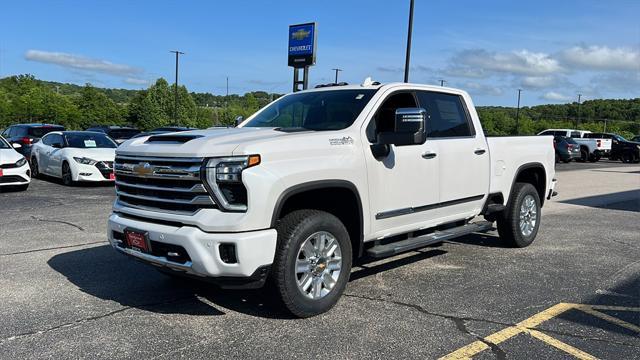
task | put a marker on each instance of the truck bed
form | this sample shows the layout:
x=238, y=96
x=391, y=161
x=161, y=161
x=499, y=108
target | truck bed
x=509, y=153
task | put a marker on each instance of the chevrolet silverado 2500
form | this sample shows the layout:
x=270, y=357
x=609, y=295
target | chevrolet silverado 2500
x=320, y=178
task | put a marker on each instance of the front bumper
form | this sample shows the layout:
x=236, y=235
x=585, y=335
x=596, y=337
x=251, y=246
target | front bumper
x=92, y=173
x=16, y=176
x=254, y=249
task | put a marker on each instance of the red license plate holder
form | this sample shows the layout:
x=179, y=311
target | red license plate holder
x=137, y=240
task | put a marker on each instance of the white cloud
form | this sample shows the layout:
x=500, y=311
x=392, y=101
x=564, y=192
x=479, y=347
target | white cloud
x=538, y=82
x=136, y=81
x=482, y=89
x=556, y=97
x=602, y=58
x=80, y=62
x=521, y=62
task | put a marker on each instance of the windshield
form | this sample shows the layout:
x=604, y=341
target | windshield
x=89, y=140
x=4, y=144
x=317, y=110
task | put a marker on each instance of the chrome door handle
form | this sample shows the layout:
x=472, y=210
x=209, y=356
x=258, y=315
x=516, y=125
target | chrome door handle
x=480, y=151
x=428, y=155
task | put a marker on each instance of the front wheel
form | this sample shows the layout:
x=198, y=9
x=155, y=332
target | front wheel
x=67, y=178
x=35, y=170
x=312, y=262
x=519, y=222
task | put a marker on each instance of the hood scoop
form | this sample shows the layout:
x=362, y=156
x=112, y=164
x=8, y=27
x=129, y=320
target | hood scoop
x=172, y=139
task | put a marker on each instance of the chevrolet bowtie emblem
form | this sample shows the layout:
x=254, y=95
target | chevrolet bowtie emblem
x=300, y=34
x=142, y=169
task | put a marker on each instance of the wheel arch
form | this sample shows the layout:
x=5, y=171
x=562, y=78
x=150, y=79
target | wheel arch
x=535, y=174
x=323, y=193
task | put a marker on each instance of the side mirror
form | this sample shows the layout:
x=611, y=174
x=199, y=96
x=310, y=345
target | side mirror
x=409, y=128
x=16, y=145
x=239, y=119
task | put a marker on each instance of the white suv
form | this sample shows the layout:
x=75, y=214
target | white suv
x=14, y=168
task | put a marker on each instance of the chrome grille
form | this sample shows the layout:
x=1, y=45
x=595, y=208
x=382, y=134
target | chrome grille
x=161, y=184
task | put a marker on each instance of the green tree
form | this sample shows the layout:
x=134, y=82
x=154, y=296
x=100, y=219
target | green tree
x=96, y=108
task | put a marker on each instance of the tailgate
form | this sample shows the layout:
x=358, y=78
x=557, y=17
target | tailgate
x=603, y=144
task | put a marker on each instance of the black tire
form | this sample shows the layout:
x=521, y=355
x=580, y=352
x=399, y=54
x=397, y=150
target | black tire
x=67, y=177
x=35, y=170
x=509, y=221
x=627, y=158
x=584, y=154
x=22, y=187
x=594, y=158
x=566, y=161
x=294, y=230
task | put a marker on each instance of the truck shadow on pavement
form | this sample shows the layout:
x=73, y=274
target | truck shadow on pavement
x=100, y=272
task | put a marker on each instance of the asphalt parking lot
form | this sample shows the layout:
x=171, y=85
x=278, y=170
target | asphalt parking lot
x=575, y=293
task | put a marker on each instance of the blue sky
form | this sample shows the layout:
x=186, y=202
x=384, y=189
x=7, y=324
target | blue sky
x=550, y=49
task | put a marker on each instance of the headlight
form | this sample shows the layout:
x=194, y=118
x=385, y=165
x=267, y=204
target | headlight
x=85, y=161
x=224, y=177
x=21, y=162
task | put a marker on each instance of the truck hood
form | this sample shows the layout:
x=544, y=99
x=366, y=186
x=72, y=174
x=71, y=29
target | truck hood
x=197, y=143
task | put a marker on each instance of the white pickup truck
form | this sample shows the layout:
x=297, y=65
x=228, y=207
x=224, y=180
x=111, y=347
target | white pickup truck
x=320, y=178
x=591, y=149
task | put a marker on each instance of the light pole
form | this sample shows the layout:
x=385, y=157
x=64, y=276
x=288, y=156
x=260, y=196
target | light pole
x=175, y=105
x=578, y=119
x=336, y=70
x=408, y=56
x=442, y=82
x=518, y=112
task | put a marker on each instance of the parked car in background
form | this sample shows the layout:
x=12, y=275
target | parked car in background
x=14, y=168
x=636, y=138
x=591, y=149
x=621, y=148
x=164, y=130
x=74, y=156
x=28, y=134
x=567, y=149
x=119, y=134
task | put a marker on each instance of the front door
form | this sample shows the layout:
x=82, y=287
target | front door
x=404, y=185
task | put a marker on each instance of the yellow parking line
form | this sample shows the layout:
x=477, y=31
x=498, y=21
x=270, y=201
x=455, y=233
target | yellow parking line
x=527, y=325
x=609, y=318
x=560, y=345
x=612, y=308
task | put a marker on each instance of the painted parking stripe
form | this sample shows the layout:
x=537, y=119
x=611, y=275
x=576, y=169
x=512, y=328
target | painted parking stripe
x=527, y=326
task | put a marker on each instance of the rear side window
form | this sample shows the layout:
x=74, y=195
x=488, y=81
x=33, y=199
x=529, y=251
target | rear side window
x=575, y=134
x=42, y=131
x=48, y=140
x=446, y=115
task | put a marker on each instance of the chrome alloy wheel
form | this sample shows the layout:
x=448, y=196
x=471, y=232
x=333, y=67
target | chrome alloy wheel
x=528, y=215
x=318, y=265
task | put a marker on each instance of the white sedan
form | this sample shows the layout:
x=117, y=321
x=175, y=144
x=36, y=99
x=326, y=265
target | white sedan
x=14, y=168
x=74, y=156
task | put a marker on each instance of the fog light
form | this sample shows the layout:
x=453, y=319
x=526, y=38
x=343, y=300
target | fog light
x=228, y=253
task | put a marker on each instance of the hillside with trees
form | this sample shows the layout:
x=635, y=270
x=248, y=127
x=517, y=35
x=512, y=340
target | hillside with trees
x=23, y=98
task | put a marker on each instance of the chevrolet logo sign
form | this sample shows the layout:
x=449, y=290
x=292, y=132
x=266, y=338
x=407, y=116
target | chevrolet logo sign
x=142, y=169
x=301, y=34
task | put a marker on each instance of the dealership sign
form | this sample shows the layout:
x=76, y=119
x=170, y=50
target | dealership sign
x=302, y=45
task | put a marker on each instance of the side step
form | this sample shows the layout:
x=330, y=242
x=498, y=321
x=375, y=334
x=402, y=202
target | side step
x=386, y=250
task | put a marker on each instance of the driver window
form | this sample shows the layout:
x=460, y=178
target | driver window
x=384, y=119
x=47, y=140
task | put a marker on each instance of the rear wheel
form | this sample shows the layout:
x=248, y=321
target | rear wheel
x=584, y=154
x=519, y=222
x=67, y=178
x=312, y=262
x=21, y=187
x=627, y=158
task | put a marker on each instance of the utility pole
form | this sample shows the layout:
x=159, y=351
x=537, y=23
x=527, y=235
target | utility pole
x=518, y=112
x=175, y=105
x=226, y=102
x=442, y=82
x=336, y=70
x=408, y=56
x=578, y=119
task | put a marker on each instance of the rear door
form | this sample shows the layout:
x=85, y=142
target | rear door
x=464, y=163
x=43, y=151
x=55, y=156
